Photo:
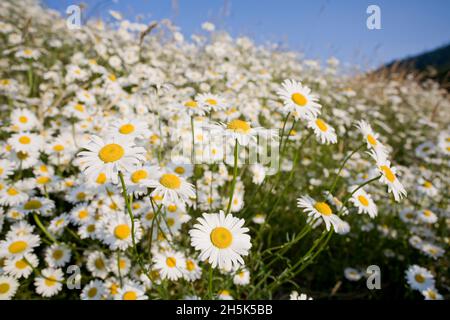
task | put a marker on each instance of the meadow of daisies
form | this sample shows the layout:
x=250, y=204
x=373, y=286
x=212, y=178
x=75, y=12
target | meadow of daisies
x=138, y=164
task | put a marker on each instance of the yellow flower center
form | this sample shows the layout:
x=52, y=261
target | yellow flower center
x=24, y=140
x=427, y=213
x=419, y=278
x=239, y=126
x=299, y=99
x=111, y=153
x=427, y=184
x=372, y=140
x=21, y=264
x=322, y=125
x=138, y=175
x=323, y=208
x=99, y=264
x=172, y=208
x=180, y=170
x=82, y=214
x=191, y=104
x=90, y=228
x=122, y=264
x=170, y=181
x=4, y=288
x=190, y=265
x=388, y=173
x=363, y=200
x=58, y=147
x=17, y=247
x=171, y=262
x=221, y=237
x=130, y=295
x=12, y=191
x=122, y=231
x=43, y=180
x=92, y=292
x=170, y=222
x=81, y=196
x=57, y=254
x=211, y=101
x=101, y=178
x=127, y=129
x=23, y=119
x=50, y=281
x=149, y=216
x=79, y=107
x=32, y=204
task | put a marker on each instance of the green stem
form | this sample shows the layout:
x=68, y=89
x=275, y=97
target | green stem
x=43, y=229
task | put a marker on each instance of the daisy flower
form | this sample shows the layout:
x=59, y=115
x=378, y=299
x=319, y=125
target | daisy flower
x=18, y=267
x=388, y=176
x=57, y=255
x=432, y=250
x=427, y=216
x=6, y=168
x=299, y=100
x=50, y=282
x=431, y=294
x=193, y=108
x=23, y=119
x=192, y=271
x=18, y=246
x=129, y=128
x=131, y=291
x=77, y=110
x=242, y=277
x=94, y=290
x=371, y=137
x=181, y=166
x=323, y=131
x=171, y=187
x=318, y=209
x=363, y=201
x=8, y=287
x=138, y=180
x=97, y=264
x=26, y=142
x=110, y=155
x=296, y=296
x=224, y=295
x=211, y=101
x=427, y=187
x=171, y=264
x=237, y=129
x=419, y=278
x=221, y=239
x=352, y=274
x=38, y=205
x=117, y=232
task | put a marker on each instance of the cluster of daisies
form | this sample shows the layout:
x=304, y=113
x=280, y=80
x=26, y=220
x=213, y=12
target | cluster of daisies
x=135, y=164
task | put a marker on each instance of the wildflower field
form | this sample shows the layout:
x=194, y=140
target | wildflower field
x=138, y=164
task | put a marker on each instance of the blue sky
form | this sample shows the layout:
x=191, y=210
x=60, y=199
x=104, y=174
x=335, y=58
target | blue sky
x=318, y=28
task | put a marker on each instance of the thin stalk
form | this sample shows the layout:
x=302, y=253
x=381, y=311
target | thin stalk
x=235, y=171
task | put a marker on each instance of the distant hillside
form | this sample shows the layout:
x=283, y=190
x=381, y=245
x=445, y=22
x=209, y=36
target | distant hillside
x=434, y=64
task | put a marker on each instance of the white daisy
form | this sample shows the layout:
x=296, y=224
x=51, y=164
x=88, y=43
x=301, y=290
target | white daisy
x=296, y=296
x=211, y=101
x=128, y=128
x=192, y=271
x=388, y=176
x=221, y=239
x=431, y=294
x=241, y=277
x=8, y=287
x=19, y=267
x=171, y=187
x=38, y=205
x=323, y=131
x=94, y=290
x=50, y=282
x=363, y=201
x=318, y=209
x=117, y=232
x=23, y=119
x=299, y=100
x=427, y=216
x=18, y=246
x=26, y=142
x=110, y=155
x=131, y=291
x=57, y=255
x=171, y=264
x=419, y=278
x=371, y=137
